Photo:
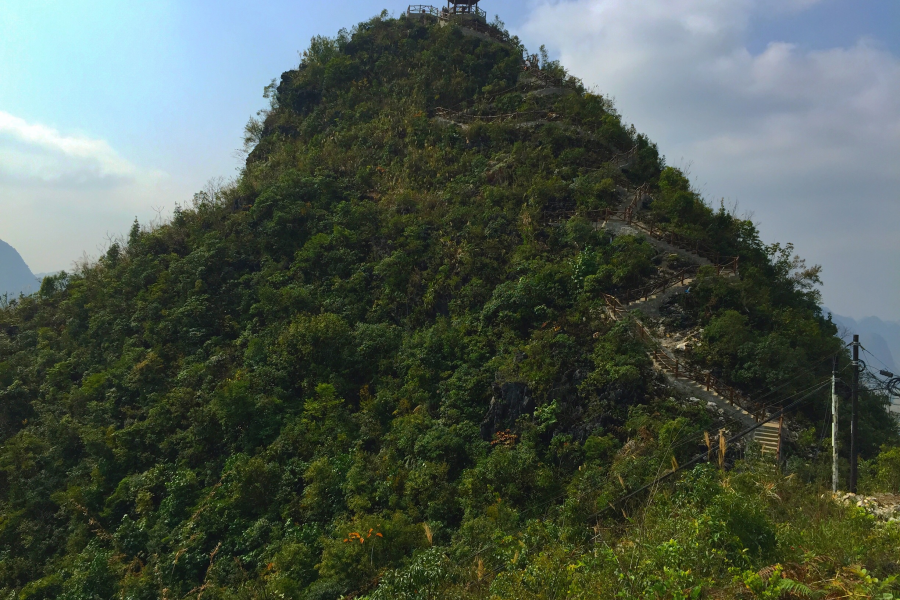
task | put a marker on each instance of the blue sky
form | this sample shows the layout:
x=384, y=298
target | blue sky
x=789, y=108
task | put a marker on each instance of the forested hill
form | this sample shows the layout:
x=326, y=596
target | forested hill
x=381, y=364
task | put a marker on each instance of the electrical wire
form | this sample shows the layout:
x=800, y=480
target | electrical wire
x=699, y=457
x=669, y=451
x=792, y=379
x=812, y=389
x=887, y=368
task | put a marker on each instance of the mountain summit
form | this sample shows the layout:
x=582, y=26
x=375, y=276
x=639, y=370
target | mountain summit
x=440, y=339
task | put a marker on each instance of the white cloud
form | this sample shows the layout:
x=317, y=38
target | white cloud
x=807, y=140
x=62, y=196
x=37, y=153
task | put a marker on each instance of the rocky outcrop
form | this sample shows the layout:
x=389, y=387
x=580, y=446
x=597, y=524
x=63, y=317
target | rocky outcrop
x=510, y=401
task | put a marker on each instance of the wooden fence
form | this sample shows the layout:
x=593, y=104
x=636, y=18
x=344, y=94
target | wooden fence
x=684, y=369
x=659, y=286
x=722, y=263
x=464, y=117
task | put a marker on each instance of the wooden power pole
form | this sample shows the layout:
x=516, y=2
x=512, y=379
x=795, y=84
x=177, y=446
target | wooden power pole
x=854, y=416
x=834, y=427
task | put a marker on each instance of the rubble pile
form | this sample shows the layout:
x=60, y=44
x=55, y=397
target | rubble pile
x=883, y=506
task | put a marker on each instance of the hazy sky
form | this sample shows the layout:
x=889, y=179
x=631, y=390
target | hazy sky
x=791, y=108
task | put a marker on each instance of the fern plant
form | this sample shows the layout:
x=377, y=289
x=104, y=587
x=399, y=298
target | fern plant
x=771, y=584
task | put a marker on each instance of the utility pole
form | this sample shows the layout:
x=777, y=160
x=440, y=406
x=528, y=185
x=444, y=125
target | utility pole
x=854, y=416
x=834, y=427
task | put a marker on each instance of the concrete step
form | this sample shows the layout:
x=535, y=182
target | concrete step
x=767, y=435
x=770, y=426
x=766, y=432
x=768, y=444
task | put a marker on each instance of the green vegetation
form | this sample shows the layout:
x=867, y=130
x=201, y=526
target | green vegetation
x=371, y=367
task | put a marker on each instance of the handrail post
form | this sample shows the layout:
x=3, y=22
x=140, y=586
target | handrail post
x=708, y=376
x=780, y=423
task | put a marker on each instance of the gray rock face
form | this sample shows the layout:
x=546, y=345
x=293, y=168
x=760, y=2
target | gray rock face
x=15, y=276
x=511, y=400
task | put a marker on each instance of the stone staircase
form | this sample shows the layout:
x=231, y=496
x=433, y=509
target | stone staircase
x=651, y=303
x=768, y=435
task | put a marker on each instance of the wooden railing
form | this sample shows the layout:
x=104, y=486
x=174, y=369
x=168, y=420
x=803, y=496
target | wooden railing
x=622, y=214
x=628, y=214
x=455, y=115
x=659, y=286
x=625, y=157
x=445, y=13
x=467, y=16
x=682, y=368
x=422, y=9
x=722, y=263
x=617, y=309
x=466, y=10
x=545, y=77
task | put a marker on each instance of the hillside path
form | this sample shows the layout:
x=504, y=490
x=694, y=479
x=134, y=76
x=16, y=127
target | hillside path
x=682, y=376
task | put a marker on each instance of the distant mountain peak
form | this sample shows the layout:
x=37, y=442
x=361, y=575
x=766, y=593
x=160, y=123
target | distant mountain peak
x=881, y=338
x=15, y=276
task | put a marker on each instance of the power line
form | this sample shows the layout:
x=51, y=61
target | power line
x=876, y=358
x=700, y=456
x=670, y=450
x=806, y=371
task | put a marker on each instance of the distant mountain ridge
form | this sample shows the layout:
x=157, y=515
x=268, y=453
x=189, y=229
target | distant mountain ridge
x=15, y=276
x=880, y=338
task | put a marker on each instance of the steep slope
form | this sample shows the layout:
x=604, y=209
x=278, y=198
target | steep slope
x=15, y=276
x=382, y=362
